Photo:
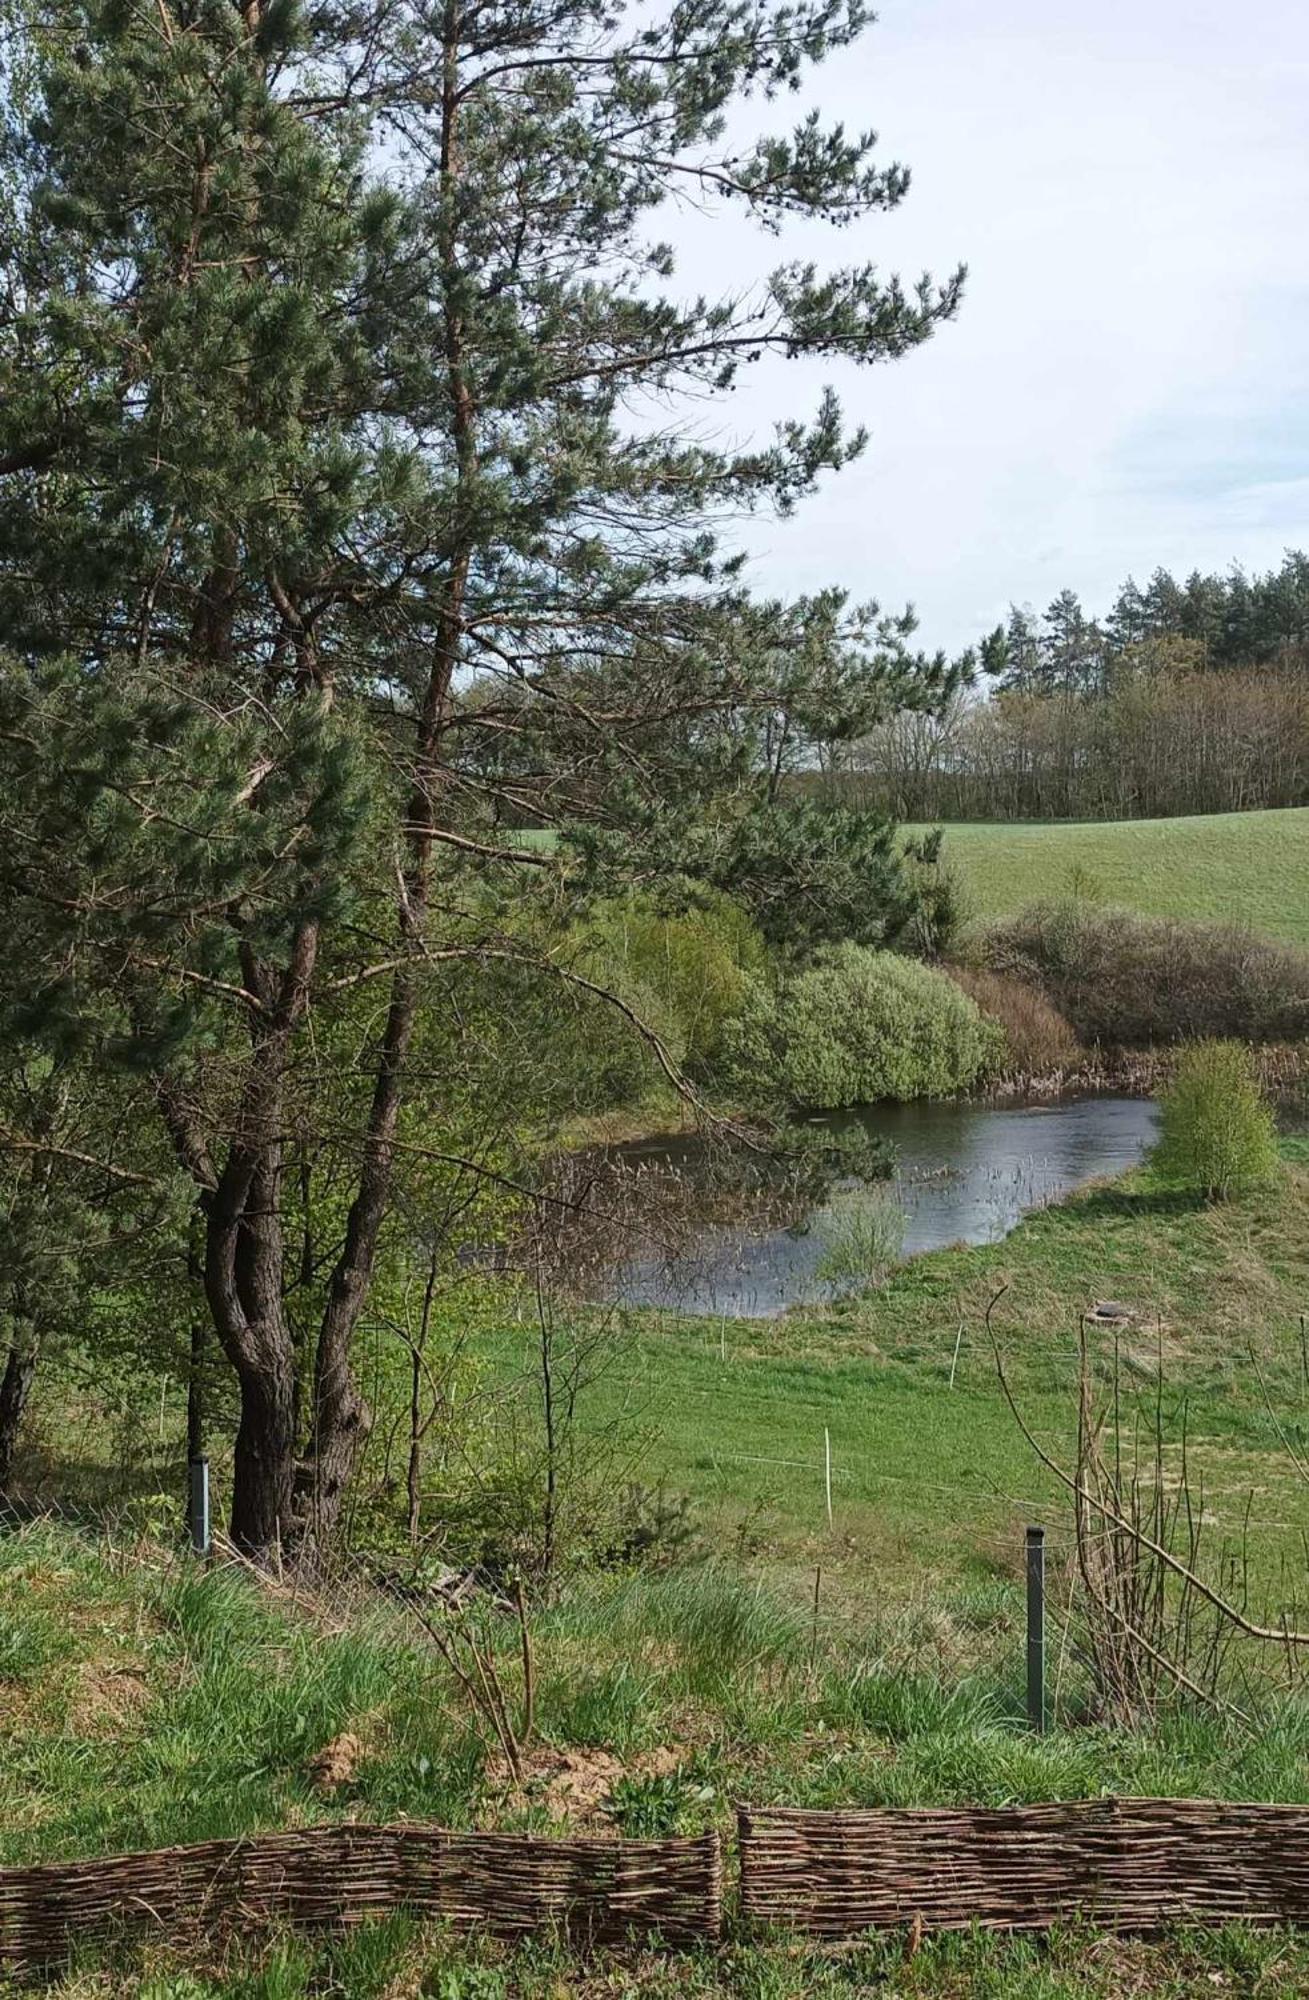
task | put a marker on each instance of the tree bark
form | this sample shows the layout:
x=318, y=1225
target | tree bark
x=264, y=1461
x=15, y=1387
x=243, y=1282
x=244, y=1252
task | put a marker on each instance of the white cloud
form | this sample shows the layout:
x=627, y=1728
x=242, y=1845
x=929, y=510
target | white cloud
x=1128, y=381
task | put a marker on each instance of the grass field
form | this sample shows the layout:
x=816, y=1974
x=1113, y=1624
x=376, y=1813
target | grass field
x=1243, y=868
x=1237, y=868
x=932, y=1481
x=144, y=1702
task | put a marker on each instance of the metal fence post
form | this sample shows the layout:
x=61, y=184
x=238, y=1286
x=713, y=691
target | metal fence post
x=197, y=1504
x=1036, y=1629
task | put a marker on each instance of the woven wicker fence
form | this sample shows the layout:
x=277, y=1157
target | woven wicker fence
x=1123, y=1864
x=339, y=1875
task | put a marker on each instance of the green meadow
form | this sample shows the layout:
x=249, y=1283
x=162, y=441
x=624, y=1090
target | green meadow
x=1242, y=868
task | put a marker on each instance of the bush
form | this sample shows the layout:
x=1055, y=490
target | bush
x=940, y=908
x=860, y=1025
x=1038, y=1041
x=1131, y=980
x=1216, y=1131
x=598, y=1058
x=690, y=968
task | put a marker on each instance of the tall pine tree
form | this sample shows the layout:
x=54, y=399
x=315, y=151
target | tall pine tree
x=347, y=515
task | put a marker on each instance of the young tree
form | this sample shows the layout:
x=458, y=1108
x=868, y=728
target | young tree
x=347, y=515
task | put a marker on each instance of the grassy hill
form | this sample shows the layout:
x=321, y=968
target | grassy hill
x=932, y=1482
x=1247, y=868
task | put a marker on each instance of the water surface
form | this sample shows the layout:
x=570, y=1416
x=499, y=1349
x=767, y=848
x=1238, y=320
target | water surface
x=967, y=1173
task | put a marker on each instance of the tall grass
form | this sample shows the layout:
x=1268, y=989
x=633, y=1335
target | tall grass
x=751, y=1694
x=862, y=1235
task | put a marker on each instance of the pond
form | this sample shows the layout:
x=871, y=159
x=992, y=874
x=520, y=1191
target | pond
x=966, y=1173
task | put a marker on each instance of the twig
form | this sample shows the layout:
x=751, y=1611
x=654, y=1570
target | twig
x=1278, y=1636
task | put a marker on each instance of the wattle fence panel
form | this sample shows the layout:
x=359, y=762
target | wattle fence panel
x=511, y=1884
x=1120, y=1864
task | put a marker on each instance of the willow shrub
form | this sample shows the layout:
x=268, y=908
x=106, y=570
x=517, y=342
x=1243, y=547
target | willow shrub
x=687, y=971
x=1216, y=1132
x=857, y=1026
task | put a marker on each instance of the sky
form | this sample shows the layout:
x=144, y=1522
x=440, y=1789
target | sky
x=1127, y=383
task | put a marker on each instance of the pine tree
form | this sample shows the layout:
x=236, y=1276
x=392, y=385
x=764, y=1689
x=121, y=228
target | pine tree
x=1072, y=662
x=1019, y=660
x=1128, y=623
x=348, y=515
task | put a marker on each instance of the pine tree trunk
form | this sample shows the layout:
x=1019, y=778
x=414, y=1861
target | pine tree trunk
x=341, y=1417
x=15, y=1387
x=264, y=1463
x=244, y=1266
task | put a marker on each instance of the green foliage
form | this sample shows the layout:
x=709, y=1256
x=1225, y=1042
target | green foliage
x=653, y=1528
x=597, y=1059
x=31, y=1637
x=707, y=1622
x=1217, y=1134
x=328, y=551
x=858, y=1026
x=813, y=873
x=659, y=1806
x=693, y=966
x=939, y=904
x=85, y=1192
x=1232, y=620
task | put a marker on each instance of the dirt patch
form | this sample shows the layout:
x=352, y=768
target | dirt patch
x=576, y=1785
x=336, y=1763
x=104, y=1700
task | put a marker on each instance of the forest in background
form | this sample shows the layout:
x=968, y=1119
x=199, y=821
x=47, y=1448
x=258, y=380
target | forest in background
x=1186, y=697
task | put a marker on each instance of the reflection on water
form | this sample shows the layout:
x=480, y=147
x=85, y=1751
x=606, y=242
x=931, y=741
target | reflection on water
x=966, y=1173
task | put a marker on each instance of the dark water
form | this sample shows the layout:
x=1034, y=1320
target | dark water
x=966, y=1174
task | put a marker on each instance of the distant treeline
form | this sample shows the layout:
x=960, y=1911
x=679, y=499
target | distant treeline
x=1204, y=624
x=1187, y=697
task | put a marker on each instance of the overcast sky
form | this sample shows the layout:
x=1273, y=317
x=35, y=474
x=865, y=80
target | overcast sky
x=1128, y=381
